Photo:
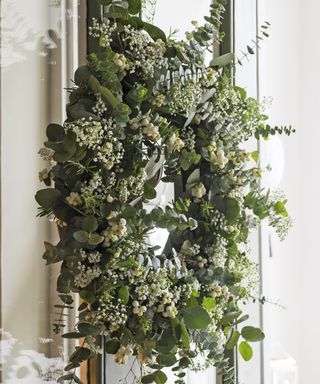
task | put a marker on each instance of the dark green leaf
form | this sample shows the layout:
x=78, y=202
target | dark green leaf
x=155, y=32
x=250, y=50
x=46, y=198
x=148, y=379
x=149, y=190
x=55, y=132
x=167, y=341
x=82, y=74
x=232, y=209
x=80, y=354
x=160, y=377
x=134, y=6
x=87, y=296
x=69, y=376
x=252, y=334
x=89, y=329
x=196, y=317
x=81, y=236
x=166, y=359
x=94, y=84
x=72, y=335
x=89, y=224
x=112, y=346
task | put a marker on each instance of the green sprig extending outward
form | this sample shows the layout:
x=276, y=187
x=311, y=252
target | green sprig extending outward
x=144, y=108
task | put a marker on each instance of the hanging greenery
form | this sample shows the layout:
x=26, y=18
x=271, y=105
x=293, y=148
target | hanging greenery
x=147, y=106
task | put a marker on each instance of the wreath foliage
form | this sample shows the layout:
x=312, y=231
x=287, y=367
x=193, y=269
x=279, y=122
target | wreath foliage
x=147, y=106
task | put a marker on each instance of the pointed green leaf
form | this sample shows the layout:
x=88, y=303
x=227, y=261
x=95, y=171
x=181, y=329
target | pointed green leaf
x=233, y=340
x=223, y=60
x=185, y=336
x=124, y=294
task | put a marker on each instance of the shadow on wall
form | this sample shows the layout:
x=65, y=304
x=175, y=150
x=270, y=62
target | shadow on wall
x=21, y=365
x=30, y=57
x=19, y=39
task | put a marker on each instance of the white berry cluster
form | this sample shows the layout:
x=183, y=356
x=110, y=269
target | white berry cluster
x=144, y=125
x=123, y=354
x=174, y=143
x=116, y=231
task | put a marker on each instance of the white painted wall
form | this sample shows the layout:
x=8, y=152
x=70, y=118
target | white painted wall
x=289, y=74
x=24, y=109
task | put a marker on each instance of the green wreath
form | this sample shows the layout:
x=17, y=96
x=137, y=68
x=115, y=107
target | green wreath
x=146, y=107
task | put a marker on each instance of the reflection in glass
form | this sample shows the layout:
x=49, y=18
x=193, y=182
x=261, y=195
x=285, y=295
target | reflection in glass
x=37, y=62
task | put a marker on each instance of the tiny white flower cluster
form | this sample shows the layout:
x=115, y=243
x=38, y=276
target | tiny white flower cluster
x=115, y=313
x=218, y=252
x=96, y=189
x=103, y=31
x=93, y=257
x=86, y=275
x=144, y=125
x=226, y=113
x=100, y=107
x=115, y=232
x=135, y=184
x=98, y=136
x=249, y=272
x=184, y=97
x=146, y=55
x=280, y=222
